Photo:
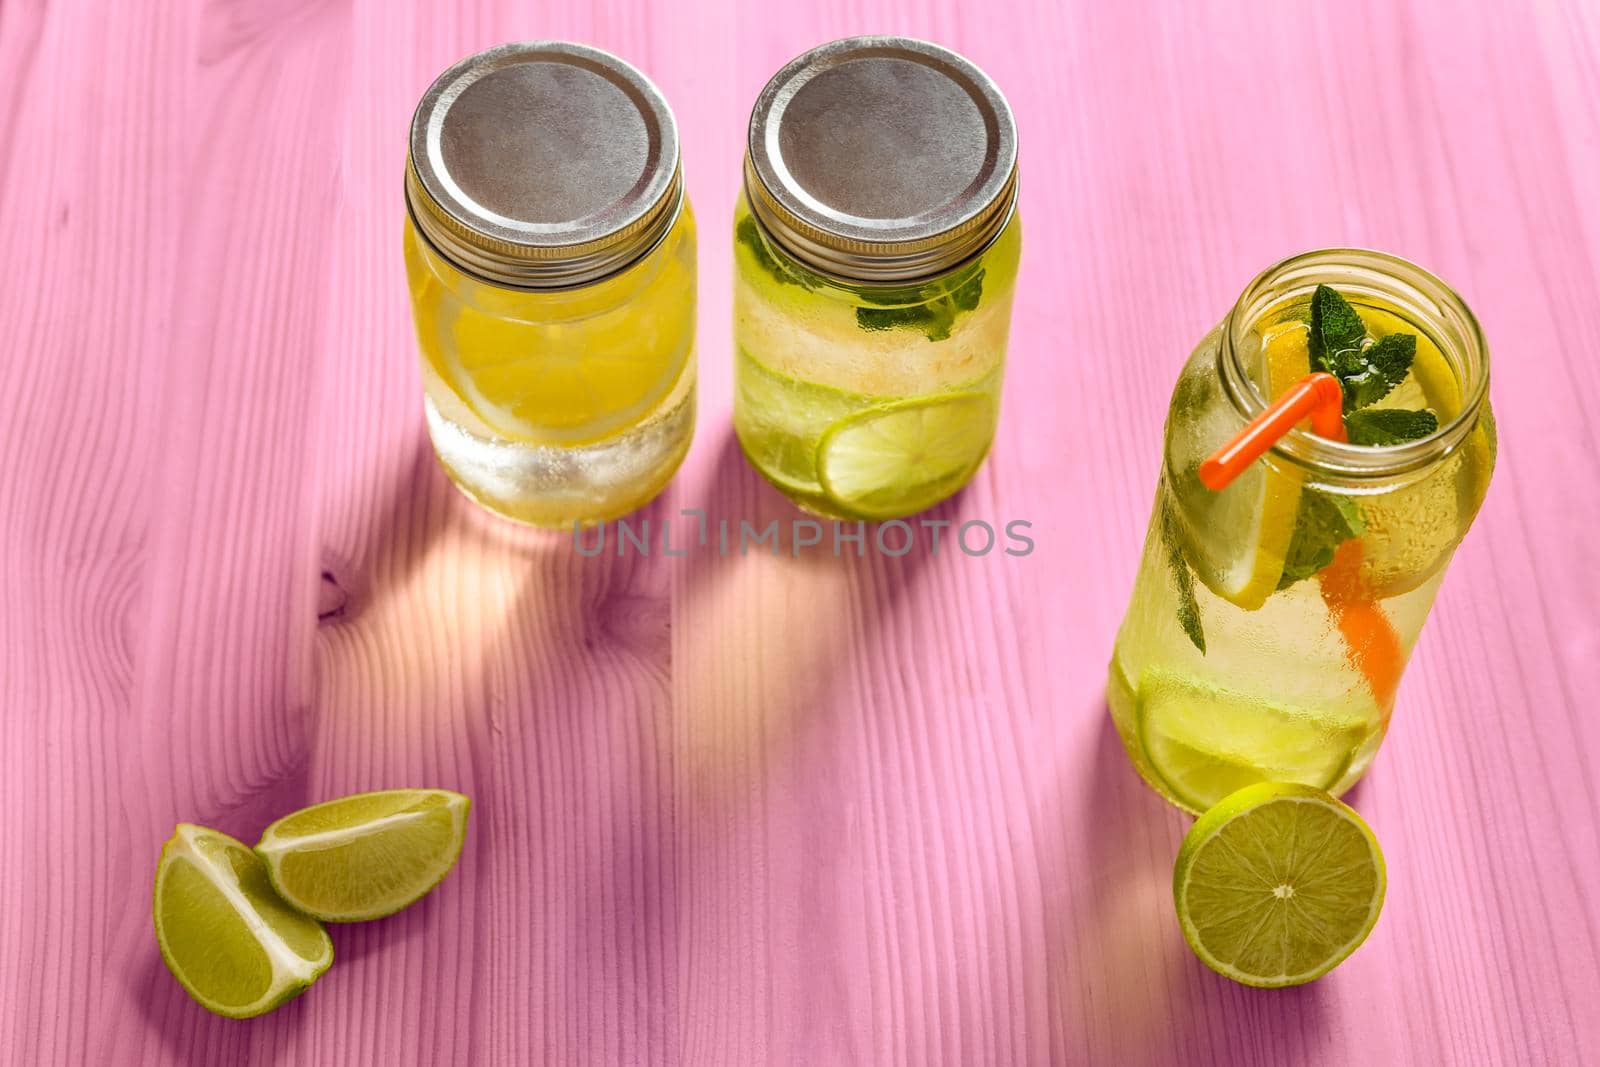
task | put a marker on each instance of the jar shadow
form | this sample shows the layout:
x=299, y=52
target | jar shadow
x=414, y=508
x=1156, y=1001
x=739, y=494
x=182, y=1025
x=609, y=714
x=795, y=624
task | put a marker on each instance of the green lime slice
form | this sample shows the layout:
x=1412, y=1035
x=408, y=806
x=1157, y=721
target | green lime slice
x=781, y=419
x=1277, y=884
x=900, y=458
x=1205, y=742
x=224, y=934
x=365, y=856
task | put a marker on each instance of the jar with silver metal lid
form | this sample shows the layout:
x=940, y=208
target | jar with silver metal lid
x=550, y=251
x=876, y=246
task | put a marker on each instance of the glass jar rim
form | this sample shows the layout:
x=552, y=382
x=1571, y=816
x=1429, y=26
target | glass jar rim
x=1417, y=291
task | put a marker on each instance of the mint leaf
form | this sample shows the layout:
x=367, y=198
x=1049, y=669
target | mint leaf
x=931, y=310
x=1366, y=374
x=1388, y=426
x=1336, y=332
x=966, y=295
x=919, y=317
x=1324, y=522
x=1377, y=369
x=748, y=233
x=1188, y=606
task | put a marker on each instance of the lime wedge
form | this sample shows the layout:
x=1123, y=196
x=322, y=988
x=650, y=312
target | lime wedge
x=224, y=934
x=1244, y=530
x=365, y=856
x=1278, y=884
x=1205, y=742
x=900, y=458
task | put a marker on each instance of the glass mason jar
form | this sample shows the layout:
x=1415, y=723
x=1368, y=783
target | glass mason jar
x=875, y=257
x=1270, y=621
x=550, y=251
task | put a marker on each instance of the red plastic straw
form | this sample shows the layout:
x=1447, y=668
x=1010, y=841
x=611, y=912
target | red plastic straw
x=1316, y=396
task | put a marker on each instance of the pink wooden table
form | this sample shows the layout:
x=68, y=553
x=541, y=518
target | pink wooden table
x=758, y=810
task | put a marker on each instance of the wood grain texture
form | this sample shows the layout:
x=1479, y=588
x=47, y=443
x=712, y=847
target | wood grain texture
x=755, y=810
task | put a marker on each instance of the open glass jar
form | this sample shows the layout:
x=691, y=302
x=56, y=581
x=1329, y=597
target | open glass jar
x=876, y=245
x=1270, y=621
x=550, y=251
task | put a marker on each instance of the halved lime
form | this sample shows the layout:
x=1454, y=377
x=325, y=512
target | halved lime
x=224, y=934
x=1278, y=884
x=899, y=458
x=1205, y=742
x=365, y=856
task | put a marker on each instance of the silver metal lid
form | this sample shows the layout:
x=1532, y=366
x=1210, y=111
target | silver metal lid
x=882, y=159
x=543, y=164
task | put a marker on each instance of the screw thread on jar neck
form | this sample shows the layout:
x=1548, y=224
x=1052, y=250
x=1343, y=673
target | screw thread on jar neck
x=1410, y=290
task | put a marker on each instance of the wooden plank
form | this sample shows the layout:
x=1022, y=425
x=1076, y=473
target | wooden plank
x=755, y=809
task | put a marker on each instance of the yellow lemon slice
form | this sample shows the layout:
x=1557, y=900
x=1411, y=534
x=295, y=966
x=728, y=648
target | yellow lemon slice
x=1241, y=534
x=564, y=367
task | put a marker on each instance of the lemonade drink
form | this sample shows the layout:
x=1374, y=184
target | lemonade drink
x=875, y=258
x=550, y=252
x=551, y=407
x=1270, y=621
